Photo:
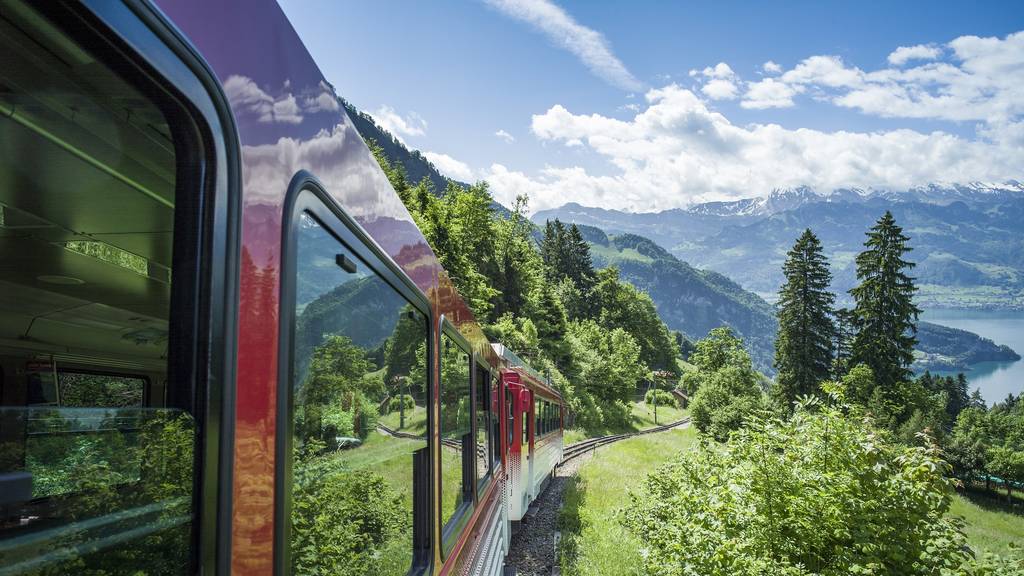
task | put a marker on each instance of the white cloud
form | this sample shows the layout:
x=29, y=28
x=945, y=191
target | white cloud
x=678, y=151
x=246, y=96
x=505, y=136
x=450, y=167
x=409, y=125
x=588, y=45
x=721, y=84
x=770, y=67
x=769, y=93
x=904, y=54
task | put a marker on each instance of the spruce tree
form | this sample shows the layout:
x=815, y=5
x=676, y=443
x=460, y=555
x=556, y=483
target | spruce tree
x=844, y=342
x=885, y=316
x=578, y=265
x=803, y=349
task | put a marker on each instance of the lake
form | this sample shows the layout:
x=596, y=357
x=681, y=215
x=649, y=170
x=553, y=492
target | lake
x=995, y=379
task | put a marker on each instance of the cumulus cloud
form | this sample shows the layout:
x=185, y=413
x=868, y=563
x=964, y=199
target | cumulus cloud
x=721, y=83
x=246, y=97
x=770, y=67
x=450, y=167
x=412, y=124
x=677, y=151
x=904, y=54
x=770, y=93
x=505, y=136
x=590, y=46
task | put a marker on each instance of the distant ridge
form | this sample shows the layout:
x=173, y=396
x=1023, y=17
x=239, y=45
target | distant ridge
x=968, y=239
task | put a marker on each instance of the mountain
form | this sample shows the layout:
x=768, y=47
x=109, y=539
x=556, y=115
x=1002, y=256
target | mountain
x=689, y=300
x=417, y=167
x=968, y=239
x=944, y=348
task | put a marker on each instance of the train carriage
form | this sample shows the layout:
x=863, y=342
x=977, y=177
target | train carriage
x=225, y=347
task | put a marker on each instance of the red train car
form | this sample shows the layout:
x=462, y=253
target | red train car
x=225, y=347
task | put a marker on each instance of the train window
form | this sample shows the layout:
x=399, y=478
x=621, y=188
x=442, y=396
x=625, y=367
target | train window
x=510, y=425
x=495, y=412
x=98, y=389
x=483, y=427
x=456, y=439
x=100, y=182
x=357, y=409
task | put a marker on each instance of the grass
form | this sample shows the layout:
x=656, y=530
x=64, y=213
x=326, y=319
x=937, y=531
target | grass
x=593, y=541
x=988, y=525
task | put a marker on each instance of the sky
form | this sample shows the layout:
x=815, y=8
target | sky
x=647, y=106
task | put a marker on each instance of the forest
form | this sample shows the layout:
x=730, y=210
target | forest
x=844, y=463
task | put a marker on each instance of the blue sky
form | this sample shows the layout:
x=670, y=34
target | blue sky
x=654, y=105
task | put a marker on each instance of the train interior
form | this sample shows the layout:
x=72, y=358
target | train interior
x=87, y=197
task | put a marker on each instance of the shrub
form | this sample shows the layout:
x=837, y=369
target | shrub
x=724, y=400
x=822, y=493
x=664, y=397
x=395, y=404
x=343, y=521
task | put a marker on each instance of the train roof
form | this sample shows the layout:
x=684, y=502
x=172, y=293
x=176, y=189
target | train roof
x=533, y=379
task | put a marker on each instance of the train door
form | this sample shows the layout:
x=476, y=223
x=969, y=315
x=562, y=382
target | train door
x=528, y=447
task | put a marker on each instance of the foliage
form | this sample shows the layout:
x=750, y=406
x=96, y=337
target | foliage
x=621, y=305
x=819, y=493
x=397, y=403
x=885, y=316
x=608, y=361
x=804, y=347
x=662, y=397
x=342, y=519
x=719, y=349
x=725, y=400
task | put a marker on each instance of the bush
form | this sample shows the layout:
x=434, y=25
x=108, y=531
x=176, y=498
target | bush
x=396, y=403
x=343, y=521
x=664, y=397
x=725, y=399
x=822, y=493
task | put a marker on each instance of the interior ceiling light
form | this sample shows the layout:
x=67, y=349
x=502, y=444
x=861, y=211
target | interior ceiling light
x=60, y=280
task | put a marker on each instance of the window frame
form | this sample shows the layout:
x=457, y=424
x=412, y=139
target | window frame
x=306, y=195
x=452, y=530
x=482, y=368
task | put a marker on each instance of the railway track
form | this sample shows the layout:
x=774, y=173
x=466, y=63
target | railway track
x=584, y=446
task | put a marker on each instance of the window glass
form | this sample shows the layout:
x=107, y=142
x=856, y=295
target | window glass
x=455, y=429
x=495, y=412
x=510, y=425
x=483, y=424
x=94, y=477
x=358, y=396
x=92, y=390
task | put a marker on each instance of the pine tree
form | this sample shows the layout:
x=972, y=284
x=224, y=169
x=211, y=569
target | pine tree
x=578, y=265
x=885, y=316
x=845, y=333
x=803, y=349
x=553, y=250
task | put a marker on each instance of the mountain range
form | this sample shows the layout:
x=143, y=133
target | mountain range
x=693, y=300
x=968, y=239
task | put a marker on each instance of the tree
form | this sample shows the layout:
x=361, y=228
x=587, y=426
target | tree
x=621, y=305
x=519, y=266
x=966, y=449
x=885, y=316
x=724, y=401
x=843, y=346
x=803, y=348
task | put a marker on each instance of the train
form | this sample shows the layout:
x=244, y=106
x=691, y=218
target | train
x=225, y=346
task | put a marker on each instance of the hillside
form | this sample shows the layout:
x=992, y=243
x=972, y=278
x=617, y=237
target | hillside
x=968, y=240
x=689, y=300
x=944, y=348
x=416, y=166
